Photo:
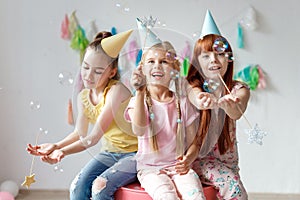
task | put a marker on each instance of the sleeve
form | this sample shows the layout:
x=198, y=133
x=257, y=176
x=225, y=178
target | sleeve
x=190, y=113
x=129, y=106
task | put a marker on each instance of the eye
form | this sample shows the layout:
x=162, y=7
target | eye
x=85, y=66
x=98, y=71
x=150, y=62
x=165, y=62
x=205, y=56
x=221, y=54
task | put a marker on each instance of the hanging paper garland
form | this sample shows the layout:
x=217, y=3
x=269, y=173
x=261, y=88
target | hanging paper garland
x=252, y=75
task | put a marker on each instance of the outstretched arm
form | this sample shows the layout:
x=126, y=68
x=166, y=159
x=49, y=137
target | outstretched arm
x=201, y=100
x=48, y=148
x=235, y=104
x=116, y=95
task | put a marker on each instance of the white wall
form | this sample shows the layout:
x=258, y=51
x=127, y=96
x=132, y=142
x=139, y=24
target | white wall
x=33, y=54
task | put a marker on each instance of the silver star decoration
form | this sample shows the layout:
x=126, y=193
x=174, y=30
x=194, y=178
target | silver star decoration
x=149, y=22
x=255, y=135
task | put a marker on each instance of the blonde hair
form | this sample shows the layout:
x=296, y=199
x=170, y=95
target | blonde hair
x=171, y=53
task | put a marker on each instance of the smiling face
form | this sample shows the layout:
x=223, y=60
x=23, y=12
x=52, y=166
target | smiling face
x=96, y=69
x=213, y=63
x=158, y=65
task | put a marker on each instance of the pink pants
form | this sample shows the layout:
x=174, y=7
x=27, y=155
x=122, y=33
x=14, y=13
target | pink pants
x=167, y=185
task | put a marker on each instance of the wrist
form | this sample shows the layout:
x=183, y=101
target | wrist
x=56, y=146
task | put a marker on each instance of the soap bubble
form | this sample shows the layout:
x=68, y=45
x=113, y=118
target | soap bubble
x=35, y=105
x=220, y=45
x=66, y=78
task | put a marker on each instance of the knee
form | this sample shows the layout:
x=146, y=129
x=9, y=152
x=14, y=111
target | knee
x=165, y=192
x=166, y=196
x=98, y=185
x=74, y=183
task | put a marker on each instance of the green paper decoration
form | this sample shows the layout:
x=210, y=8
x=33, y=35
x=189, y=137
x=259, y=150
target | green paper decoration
x=79, y=41
x=185, y=67
x=248, y=75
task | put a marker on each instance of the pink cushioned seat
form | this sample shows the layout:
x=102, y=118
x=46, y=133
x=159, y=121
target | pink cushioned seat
x=133, y=191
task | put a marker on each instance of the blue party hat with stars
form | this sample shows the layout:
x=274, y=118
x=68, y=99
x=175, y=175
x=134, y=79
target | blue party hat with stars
x=209, y=26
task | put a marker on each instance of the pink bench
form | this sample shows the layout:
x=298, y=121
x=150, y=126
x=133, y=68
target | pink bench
x=134, y=191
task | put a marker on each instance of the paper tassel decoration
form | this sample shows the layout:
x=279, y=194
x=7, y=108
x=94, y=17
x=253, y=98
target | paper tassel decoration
x=261, y=81
x=70, y=113
x=240, y=39
x=249, y=20
x=185, y=67
x=113, y=31
x=64, y=30
x=79, y=41
x=73, y=23
x=252, y=75
x=92, y=31
x=138, y=57
x=132, y=51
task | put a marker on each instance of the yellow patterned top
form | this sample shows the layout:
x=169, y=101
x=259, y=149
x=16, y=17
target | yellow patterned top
x=118, y=137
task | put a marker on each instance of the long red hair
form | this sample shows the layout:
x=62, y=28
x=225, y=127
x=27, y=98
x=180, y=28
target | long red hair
x=196, y=79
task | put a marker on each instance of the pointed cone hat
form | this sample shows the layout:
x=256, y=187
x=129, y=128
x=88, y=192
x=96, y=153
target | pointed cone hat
x=112, y=45
x=147, y=37
x=209, y=26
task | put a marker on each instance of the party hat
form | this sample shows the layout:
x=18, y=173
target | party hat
x=209, y=26
x=112, y=45
x=147, y=37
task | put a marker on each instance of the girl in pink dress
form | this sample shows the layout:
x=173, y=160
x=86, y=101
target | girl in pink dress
x=160, y=117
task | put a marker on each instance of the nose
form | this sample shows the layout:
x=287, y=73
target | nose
x=157, y=65
x=89, y=74
x=213, y=57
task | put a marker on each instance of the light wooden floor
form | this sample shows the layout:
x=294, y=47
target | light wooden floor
x=63, y=195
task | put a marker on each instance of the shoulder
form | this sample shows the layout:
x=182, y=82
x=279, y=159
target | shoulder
x=118, y=90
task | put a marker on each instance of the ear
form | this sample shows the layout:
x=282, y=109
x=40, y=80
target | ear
x=113, y=72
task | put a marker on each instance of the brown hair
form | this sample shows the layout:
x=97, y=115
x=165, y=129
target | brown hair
x=196, y=79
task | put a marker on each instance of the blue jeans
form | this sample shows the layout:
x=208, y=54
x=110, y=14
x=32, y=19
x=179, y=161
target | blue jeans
x=114, y=169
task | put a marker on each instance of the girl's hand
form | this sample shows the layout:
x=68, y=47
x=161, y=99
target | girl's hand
x=228, y=102
x=182, y=166
x=54, y=157
x=206, y=100
x=41, y=150
x=138, y=79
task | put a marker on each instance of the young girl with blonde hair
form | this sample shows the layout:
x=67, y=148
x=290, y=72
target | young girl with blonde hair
x=164, y=122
